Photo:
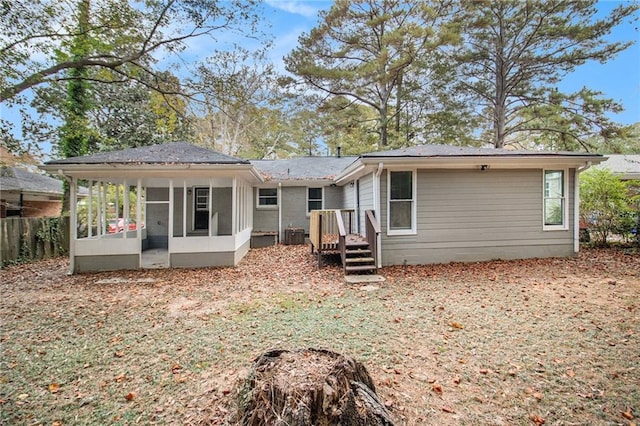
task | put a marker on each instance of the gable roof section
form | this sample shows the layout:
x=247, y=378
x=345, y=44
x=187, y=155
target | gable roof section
x=16, y=179
x=626, y=166
x=303, y=168
x=170, y=153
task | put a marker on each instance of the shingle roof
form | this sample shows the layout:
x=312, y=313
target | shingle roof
x=170, y=153
x=459, y=151
x=628, y=166
x=302, y=168
x=15, y=179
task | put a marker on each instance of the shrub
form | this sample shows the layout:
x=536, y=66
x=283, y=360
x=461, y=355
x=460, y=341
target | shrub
x=605, y=204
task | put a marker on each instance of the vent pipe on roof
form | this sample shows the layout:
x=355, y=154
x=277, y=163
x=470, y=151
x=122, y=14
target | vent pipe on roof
x=339, y=149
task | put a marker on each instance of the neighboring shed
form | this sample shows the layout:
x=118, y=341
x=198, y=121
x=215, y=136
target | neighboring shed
x=27, y=194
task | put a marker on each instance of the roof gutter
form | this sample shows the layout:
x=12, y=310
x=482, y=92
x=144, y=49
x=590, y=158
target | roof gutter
x=376, y=203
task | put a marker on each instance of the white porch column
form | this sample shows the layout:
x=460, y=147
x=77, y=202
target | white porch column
x=100, y=210
x=234, y=207
x=73, y=223
x=280, y=235
x=170, y=225
x=125, y=202
x=117, y=206
x=184, y=208
x=210, y=207
x=90, y=211
x=139, y=219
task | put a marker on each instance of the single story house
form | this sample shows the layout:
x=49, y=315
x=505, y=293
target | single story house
x=27, y=194
x=416, y=205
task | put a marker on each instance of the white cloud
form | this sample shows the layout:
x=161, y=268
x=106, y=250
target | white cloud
x=295, y=7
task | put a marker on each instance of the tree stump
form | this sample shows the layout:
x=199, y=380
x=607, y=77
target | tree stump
x=309, y=387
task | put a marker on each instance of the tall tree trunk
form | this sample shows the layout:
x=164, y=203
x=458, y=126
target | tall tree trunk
x=500, y=107
x=74, y=138
x=399, y=101
x=384, y=126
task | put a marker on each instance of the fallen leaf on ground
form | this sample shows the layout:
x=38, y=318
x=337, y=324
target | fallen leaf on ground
x=537, y=419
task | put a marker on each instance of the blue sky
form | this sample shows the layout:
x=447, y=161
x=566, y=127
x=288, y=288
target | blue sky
x=618, y=79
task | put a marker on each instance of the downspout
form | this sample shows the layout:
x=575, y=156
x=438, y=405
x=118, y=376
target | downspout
x=576, y=206
x=279, y=212
x=376, y=204
x=73, y=226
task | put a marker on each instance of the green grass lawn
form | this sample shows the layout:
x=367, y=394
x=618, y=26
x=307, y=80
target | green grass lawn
x=490, y=343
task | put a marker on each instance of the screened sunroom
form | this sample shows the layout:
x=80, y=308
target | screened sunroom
x=173, y=205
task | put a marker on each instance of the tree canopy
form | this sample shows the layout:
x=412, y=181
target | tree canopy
x=107, y=74
x=514, y=55
x=364, y=51
x=119, y=33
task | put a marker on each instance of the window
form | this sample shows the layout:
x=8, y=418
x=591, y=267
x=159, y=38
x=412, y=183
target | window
x=201, y=214
x=267, y=197
x=402, y=205
x=202, y=199
x=314, y=199
x=555, y=205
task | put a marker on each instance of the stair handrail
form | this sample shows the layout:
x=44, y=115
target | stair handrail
x=342, y=238
x=372, y=228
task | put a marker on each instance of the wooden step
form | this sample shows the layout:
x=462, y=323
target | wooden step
x=358, y=251
x=360, y=268
x=357, y=244
x=359, y=260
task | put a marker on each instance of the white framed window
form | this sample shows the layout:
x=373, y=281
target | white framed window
x=267, y=198
x=201, y=210
x=314, y=199
x=401, y=202
x=555, y=209
x=202, y=199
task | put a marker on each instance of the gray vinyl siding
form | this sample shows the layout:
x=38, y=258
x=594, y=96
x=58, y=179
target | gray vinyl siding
x=294, y=207
x=100, y=263
x=366, y=199
x=348, y=194
x=473, y=216
x=333, y=197
x=264, y=219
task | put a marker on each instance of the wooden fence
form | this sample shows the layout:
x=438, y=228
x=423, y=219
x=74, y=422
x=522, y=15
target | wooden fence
x=25, y=239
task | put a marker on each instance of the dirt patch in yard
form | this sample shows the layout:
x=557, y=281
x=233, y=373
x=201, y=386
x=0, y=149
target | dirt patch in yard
x=503, y=342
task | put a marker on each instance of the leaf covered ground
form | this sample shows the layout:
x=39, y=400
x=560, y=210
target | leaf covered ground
x=550, y=341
